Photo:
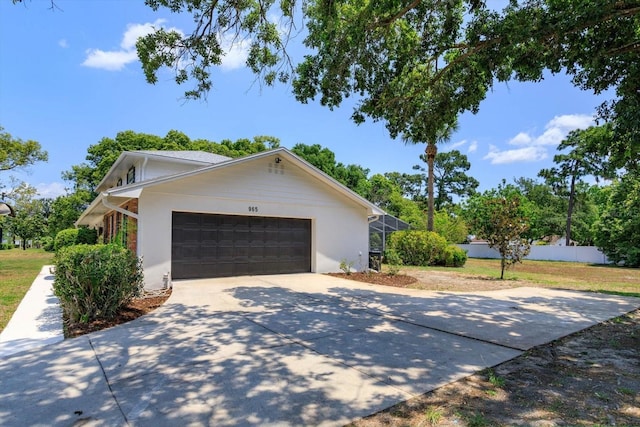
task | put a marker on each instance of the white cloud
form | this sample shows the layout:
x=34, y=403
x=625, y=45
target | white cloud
x=115, y=60
x=534, y=147
x=473, y=147
x=110, y=61
x=458, y=144
x=52, y=189
x=526, y=154
x=571, y=122
x=520, y=139
x=63, y=43
x=554, y=131
x=236, y=53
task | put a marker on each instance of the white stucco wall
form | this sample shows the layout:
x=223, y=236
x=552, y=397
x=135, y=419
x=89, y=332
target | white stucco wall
x=339, y=225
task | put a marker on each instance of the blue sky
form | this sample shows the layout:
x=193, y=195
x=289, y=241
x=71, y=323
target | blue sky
x=70, y=77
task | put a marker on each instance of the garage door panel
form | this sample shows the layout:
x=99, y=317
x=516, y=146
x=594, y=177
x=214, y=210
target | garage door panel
x=207, y=245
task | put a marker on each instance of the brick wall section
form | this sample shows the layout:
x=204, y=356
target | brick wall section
x=115, y=221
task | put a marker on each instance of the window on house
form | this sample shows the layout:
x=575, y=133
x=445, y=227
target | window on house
x=131, y=175
x=119, y=183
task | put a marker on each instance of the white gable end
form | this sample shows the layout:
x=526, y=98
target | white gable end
x=256, y=188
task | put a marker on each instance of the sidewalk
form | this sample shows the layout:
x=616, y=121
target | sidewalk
x=37, y=321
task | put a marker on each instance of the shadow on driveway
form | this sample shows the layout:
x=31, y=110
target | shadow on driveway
x=283, y=350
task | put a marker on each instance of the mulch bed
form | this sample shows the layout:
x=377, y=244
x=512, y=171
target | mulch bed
x=133, y=310
x=397, y=280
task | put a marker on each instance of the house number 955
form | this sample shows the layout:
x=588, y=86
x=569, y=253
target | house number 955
x=253, y=209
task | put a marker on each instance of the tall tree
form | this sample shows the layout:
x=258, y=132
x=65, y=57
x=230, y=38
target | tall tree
x=353, y=176
x=407, y=61
x=586, y=157
x=65, y=211
x=101, y=156
x=548, y=217
x=617, y=232
x=413, y=186
x=450, y=178
x=29, y=222
x=16, y=153
x=442, y=135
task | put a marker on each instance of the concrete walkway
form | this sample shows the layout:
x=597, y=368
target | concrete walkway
x=292, y=350
x=37, y=321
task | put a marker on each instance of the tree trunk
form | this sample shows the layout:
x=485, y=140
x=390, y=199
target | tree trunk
x=431, y=152
x=503, y=264
x=572, y=193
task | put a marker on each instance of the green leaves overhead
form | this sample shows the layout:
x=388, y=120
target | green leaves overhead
x=217, y=25
x=415, y=65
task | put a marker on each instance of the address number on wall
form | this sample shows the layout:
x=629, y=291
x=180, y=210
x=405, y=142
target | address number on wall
x=253, y=209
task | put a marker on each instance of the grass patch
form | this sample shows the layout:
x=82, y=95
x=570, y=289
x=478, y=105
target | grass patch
x=554, y=274
x=18, y=268
x=495, y=380
x=432, y=415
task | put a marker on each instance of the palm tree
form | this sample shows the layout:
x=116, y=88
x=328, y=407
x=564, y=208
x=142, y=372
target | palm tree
x=430, y=153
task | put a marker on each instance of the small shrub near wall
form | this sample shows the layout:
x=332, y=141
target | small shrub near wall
x=95, y=281
x=87, y=236
x=65, y=238
x=423, y=248
x=75, y=236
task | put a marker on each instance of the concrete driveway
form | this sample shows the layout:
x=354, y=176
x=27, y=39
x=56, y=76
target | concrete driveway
x=301, y=349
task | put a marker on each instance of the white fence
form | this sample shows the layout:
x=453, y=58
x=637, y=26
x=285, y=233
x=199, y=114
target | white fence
x=588, y=254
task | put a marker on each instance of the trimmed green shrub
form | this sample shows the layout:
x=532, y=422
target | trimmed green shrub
x=417, y=247
x=75, y=236
x=65, y=238
x=87, y=236
x=394, y=262
x=95, y=281
x=454, y=256
x=47, y=243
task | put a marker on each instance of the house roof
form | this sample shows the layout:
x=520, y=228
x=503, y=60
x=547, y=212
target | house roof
x=121, y=165
x=195, y=156
x=97, y=207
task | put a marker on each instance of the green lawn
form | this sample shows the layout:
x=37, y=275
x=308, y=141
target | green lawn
x=556, y=274
x=18, y=268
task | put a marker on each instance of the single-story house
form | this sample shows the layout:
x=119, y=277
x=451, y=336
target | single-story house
x=191, y=214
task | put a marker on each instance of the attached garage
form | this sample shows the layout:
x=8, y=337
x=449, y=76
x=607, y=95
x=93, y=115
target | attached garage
x=201, y=215
x=209, y=245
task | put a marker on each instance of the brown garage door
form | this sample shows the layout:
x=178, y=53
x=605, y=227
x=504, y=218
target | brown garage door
x=206, y=245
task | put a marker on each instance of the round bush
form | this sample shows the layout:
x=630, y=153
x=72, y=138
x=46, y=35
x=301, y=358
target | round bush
x=65, y=238
x=454, y=256
x=87, y=236
x=417, y=247
x=95, y=281
x=47, y=243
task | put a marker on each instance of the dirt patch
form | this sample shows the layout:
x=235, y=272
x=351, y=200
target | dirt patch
x=458, y=282
x=133, y=310
x=397, y=280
